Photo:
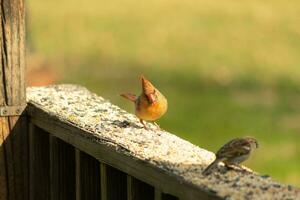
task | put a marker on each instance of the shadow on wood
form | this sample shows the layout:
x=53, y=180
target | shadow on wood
x=13, y=158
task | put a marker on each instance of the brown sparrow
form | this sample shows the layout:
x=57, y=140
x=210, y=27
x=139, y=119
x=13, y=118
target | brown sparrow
x=233, y=153
x=150, y=105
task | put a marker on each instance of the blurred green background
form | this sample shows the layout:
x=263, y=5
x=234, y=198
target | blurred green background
x=228, y=68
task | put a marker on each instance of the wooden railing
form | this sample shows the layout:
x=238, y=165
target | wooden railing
x=72, y=144
x=83, y=147
x=68, y=161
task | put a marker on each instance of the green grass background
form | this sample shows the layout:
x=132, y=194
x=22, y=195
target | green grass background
x=228, y=68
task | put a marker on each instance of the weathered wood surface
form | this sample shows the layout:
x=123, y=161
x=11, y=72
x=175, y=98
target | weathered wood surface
x=13, y=136
x=158, y=158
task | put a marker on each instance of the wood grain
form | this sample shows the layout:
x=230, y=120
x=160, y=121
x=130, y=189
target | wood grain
x=13, y=130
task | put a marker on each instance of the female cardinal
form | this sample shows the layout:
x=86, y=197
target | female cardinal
x=150, y=105
x=233, y=153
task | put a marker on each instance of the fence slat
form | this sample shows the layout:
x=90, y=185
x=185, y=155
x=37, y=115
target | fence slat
x=62, y=170
x=116, y=184
x=103, y=181
x=39, y=163
x=88, y=176
x=157, y=194
x=137, y=189
x=130, y=192
x=168, y=197
x=77, y=174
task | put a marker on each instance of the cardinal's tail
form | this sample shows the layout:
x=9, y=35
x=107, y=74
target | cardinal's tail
x=130, y=97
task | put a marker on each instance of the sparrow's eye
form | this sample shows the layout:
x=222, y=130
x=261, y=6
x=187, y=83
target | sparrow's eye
x=247, y=148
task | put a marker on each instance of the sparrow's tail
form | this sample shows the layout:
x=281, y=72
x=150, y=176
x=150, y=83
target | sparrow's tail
x=210, y=167
x=130, y=97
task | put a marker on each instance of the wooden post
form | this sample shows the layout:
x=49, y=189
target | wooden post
x=13, y=128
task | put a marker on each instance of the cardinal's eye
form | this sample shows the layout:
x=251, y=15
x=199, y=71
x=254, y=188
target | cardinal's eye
x=152, y=97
